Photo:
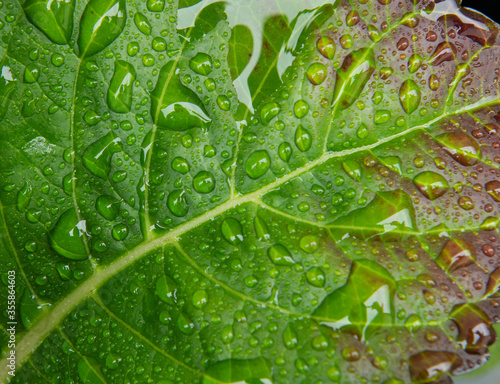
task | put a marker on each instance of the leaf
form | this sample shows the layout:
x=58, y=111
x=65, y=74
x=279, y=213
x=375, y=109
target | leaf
x=248, y=192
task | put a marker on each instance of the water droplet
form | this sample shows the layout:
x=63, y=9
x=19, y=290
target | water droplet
x=309, y=243
x=290, y=338
x=351, y=354
x=200, y=298
x=133, y=48
x=121, y=87
x=475, y=331
x=24, y=197
x=352, y=18
x=300, y=109
x=334, y=374
x=185, y=324
x=326, y=46
x=254, y=371
x=224, y=103
x=352, y=76
x=102, y=22
x=67, y=237
x=258, y=164
x=374, y=33
x=201, y=64
x=177, y=203
x=174, y=106
x=180, y=165
x=269, y=111
x=159, y=44
x=434, y=82
x=428, y=365
x=31, y=73
x=362, y=131
x=432, y=185
x=409, y=96
x=108, y=207
x=97, y=156
x=227, y=334
x=119, y=232
x=232, y=231
x=261, y=230
x=353, y=169
x=64, y=271
x=414, y=63
x=382, y=116
x=280, y=255
x=466, y=203
x=493, y=189
x=142, y=23
x=285, y=151
x=204, y=182
x=7, y=86
x=166, y=289
x=251, y=281
x=317, y=73
x=155, y=5
x=53, y=18
x=456, y=254
x=445, y=51
x=303, y=139
x=461, y=147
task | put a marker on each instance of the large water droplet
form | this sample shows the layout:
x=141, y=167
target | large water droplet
x=309, y=243
x=317, y=73
x=232, y=231
x=155, y=5
x=200, y=298
x=493, y=189
x=475, y=331
x=173, y=105
x=258, y=164
x=290, y=338
x=445, y=51
x=102, y=22
x=177, y=203
x=185, y=324
x=456, y=254
x=432, y=185
x=300, y=109
x=269, y=111
x=280, y=255
x=67, y=237
x=326, y=46
x=285, y=151
x=52, y=17
x=108, y=207
x=316, y=277
x=180, y=165
x=460, y=147
x=24, y=197
x=352, y=76
x=201, y=64
x=142, y=23
x=261, y=230
x=426, y=366
x=353, y=169
x=121, y=87
x=204, y=182
x=97, y=156
x=303, y=139
x=409, y=96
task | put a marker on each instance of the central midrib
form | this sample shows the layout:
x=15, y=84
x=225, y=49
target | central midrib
x=37, y=334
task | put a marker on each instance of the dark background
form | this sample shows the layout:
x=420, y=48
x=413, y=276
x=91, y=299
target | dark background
x=490, y=8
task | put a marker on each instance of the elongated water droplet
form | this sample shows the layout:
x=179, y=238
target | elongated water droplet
x=352, y=76
x=258, y=164
x=185, y=324
x=261, y=230
x=180, y=165
x=429, y=365
x=285, y=151
x=456, y=254
x=434, y=82
x=53, y=17
x=166, y=289
x=280, y=255
x=97, y=156
x=414, y=63
x=201, y=64
x=200, y=298
x=353, y=169
x=290, y=338
x=445, y=51
x=31, y=73
x=174, y=106
x=300, y=109
x=177, y=203
x=121, y=87
x=461, y=147
x=432, y=185
x=251, y=371
x=102, y=22
x=24, y=197
x=232, y=231
x=142, y=23
x=475, y=331
x=67, y=237
x=269, y=111
x=204, y=182
x=409, y=96
x=303, y=139
x=326, y=46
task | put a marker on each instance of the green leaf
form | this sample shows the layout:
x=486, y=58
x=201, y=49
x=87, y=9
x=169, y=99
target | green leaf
x=287, y=191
